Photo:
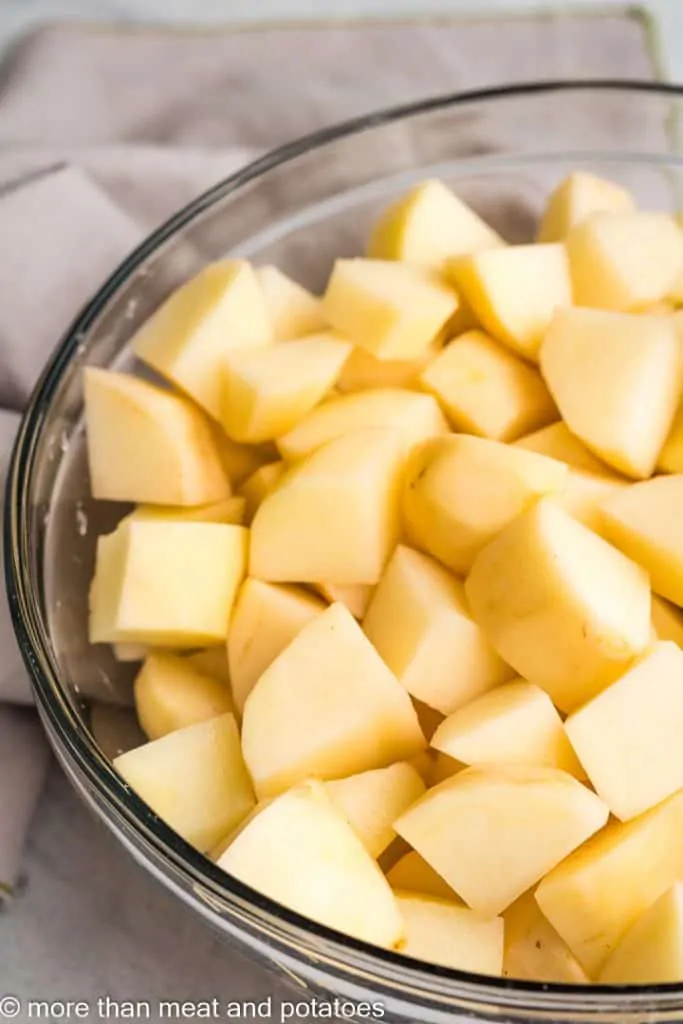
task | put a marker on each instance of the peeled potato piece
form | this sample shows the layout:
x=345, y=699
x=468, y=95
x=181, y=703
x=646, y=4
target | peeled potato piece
x=651, y=951
x=293, y=310
x=171, y=694
x=447, y=933
x=533, y=949
x=371, y=801
x=576, y=198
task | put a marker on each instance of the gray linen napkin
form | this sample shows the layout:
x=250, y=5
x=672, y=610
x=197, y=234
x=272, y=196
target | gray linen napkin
x=127, y=126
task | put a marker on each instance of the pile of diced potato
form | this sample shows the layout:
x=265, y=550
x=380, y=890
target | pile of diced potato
x=404, y=573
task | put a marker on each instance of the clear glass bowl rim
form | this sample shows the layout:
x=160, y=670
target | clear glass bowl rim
x=384, y=972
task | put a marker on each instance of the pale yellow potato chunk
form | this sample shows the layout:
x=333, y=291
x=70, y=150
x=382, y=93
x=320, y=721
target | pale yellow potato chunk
x=333, y=518
x=514, y=291
x=586, y=493
x=171, y=694
x=392, y=310
x=446, y=933
x=427, y=226
x=485, y=390
x=256, y=488
x=413, y=416
x=533, y=949
x=186, y=339
x=459, y=491
x=230, y=510
x=371, y=801
x=356, y=597
x=601, y=889
x=667, y=621
x=419, y=622
x=624, y=261
x=562, y=606
x=293, y=310
x=166, y=583
x=348, y=717
x=644, y=521
x=300, y=851
x=363, y=371
x=557, y=442
x=148, y=445
x=651, y=951
x=494, y=831
x=412, y=873
x=628, y=738
x=194, y=779
x=266, y=619
x=513, y=724
x=267, y=391
x=616, y=379
x=576, y=198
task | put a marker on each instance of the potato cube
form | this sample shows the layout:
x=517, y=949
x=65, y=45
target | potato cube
x=194, y=779
x=427, y=226
x=392, y=310
x=576, y=198
x=628, y=738
x=413, y=416
x=446, y=933
x=616, y=379
x=513, y=724
x=485, y=390
x=146, y=444
x=585, y=495
x=494, y=831
x=356, y=597
x=533, y=949
x=624, y=261
x=412, y=873
x=459, y=491
x=171, y=694
x=266, y=619
x=564, y=608
x=256, y=488
x=293, y=310
x=644, y=521
x=419, y=622
x=371, y=801
x=300, y=721
x=601, y=889
x=186, y=339
x=300, y=851
x=333, y=518
x=651, y=951
x=557, y=442
x=515, y=291
x=166, y=583
x=363, y=371
x=267, y=391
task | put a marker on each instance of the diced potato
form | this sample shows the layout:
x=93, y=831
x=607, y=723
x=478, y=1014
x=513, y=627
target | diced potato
x=256, y=488
x=651, y=951
x=392, y=310
x=230, y=510
x=624, y=261
x=427, y=226
x=267, y=391
x=616, y=380
x=300, y=851
x=667, y=621
x=371, y=802
x=212, y=661
x=194, y=779
x=171, y=694
x=644, y=521
x=446, y=933
x=514, y=291
x=513, y=724
x=222, y=308
x=492, y=832
x=485, y=390
x=363, y=371
x=533, y=949
x=586, y=493
x=419, y=622
x=293, y=310
x=356, y=597
x=266, y=619
x=576, y=198
x=169, y=584
x=628, y=738
x=333, y=518
x=557, y=442
x=564, y=608
x=146, y=444
x=459, y=491
x=413, y=416
x=412, y=873
x=601, y=889
x=300, y=721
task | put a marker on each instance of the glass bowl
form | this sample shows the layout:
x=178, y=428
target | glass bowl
x=300, y=207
